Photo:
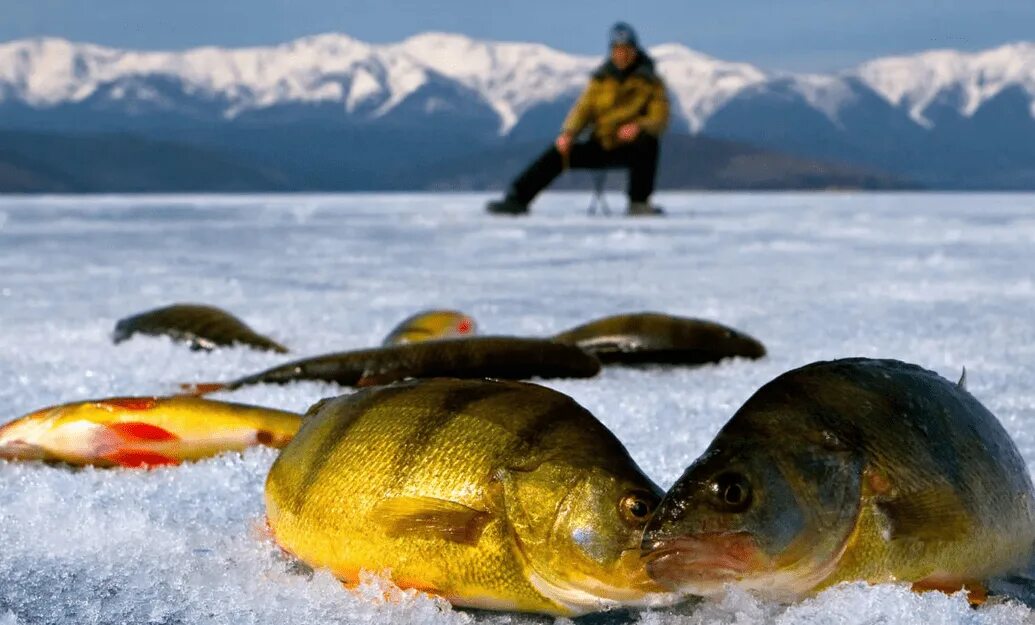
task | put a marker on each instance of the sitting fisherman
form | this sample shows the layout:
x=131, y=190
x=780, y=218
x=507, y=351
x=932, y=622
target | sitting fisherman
x=627, y=108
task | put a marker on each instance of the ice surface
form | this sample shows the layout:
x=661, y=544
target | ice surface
x=945, y=281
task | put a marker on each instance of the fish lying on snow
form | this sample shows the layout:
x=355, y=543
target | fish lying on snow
x=139, y=431
x=648, y=337
x=204, y=327
x=431, y=325
x=496, y=495
x=849, y=470
x=475, y=357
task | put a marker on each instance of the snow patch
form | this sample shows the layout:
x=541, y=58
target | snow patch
x=915, y=82
x=700, y=84
x=363, y=87
x=827, y=94
x=942, y=280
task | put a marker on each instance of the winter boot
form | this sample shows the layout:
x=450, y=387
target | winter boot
x=642, y=209
x=507, y=206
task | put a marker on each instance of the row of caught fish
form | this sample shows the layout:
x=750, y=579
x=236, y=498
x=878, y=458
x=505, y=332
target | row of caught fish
x=206, y=328
x=144, y=431
x=639, y=338
x=506, y=495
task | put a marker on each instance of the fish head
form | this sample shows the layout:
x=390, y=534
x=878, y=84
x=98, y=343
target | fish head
x=431, y=325
x=720, y=338
x=77, y=433
x=743, y=344
x=769, y=507
x=581, y=535
x=26, y=438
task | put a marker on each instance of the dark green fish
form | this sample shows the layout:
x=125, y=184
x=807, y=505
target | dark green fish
x=506, y=358
x=647, y=337
x=849, y=470
x=204, y=327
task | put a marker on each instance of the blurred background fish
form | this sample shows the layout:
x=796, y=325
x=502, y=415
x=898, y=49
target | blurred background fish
x=139, y=431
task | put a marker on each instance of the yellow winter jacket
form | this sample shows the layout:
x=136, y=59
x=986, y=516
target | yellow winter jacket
x=611, y=101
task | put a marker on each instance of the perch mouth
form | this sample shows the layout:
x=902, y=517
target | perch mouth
x=16, y=449
x=687, y=563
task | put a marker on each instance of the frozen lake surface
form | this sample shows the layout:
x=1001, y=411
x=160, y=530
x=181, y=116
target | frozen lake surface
x=944, y=281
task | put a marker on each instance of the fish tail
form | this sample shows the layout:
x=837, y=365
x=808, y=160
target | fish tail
x=1019, y=585
x=260, y=529
x=198, y=389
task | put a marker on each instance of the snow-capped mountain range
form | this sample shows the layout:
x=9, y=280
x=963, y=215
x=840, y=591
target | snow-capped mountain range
x=919, y=114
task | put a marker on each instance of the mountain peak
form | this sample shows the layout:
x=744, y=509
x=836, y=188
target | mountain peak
x=701, y=84
x=916, y=82
x=511, y=77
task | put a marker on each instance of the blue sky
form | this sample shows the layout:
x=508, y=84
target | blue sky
x=795, y=35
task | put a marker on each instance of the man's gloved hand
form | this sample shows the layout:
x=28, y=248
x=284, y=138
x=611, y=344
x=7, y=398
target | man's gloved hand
x=563, y=143
x=628, y=132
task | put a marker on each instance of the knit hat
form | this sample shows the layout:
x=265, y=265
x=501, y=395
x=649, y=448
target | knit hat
x=622, y=34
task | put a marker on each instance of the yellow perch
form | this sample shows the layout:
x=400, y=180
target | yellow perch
x=429, y=325
x=143, y=431
x=495, y=495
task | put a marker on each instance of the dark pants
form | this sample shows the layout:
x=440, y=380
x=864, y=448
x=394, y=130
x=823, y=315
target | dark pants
x=640, y=157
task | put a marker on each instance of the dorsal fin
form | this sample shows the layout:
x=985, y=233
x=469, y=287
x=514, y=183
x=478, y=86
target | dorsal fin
x=315, y=408
x=962, y=384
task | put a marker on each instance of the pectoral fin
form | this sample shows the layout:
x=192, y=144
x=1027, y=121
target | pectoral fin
x=133, y=444
x=935, y=514
x=132, y=431
x=429, y=517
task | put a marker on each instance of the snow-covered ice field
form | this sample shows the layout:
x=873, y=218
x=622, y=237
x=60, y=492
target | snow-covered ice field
x=945, y=281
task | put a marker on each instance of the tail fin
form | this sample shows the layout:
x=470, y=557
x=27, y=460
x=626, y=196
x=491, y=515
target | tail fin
x=1019, y=586
x=203, y=388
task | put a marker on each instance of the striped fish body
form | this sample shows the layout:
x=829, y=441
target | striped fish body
x=204, y=327
x=430, y=325
x=475, y=357
x=138, y=431
x=645, y=338
x=496, y=495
